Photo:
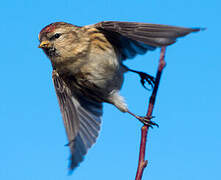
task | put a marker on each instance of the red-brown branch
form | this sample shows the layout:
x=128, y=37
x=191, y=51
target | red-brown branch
x=144, y=130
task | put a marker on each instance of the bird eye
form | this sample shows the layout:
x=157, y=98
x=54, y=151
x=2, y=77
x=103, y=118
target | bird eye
x=56, y=36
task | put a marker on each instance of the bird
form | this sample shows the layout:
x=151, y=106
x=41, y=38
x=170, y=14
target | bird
x=88, y=71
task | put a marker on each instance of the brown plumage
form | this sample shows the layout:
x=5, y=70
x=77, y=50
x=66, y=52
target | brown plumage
x=88, y=70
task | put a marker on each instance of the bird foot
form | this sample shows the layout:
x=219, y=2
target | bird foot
x=146, y=120
x=144, y=78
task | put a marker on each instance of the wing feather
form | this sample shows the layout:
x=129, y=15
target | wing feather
x=82, y=119
x=134, y=38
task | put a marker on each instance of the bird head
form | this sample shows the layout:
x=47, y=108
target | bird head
x=59, y=39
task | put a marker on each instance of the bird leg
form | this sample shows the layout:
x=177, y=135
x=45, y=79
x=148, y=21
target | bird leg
x=146, y=120
x=144, y=77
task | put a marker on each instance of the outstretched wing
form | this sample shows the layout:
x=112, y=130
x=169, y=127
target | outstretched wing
x=137, y=38
x=82, y=118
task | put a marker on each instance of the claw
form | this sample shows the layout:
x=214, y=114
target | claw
x=147, y=121
x=146, y=78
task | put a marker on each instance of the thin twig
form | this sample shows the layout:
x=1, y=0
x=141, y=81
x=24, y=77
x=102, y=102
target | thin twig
x=144, y=130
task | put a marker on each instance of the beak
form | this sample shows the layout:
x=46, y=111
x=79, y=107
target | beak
x=44, y=44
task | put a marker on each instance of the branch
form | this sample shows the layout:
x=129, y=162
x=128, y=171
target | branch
x=144, y=130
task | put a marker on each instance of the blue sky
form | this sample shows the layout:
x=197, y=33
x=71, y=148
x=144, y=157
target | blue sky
x=186, y=146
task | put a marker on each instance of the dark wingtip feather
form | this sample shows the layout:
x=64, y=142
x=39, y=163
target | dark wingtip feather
x=197, y=29
x=73, y=165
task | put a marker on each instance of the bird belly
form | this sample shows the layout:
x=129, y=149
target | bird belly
x=104, y=72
